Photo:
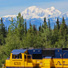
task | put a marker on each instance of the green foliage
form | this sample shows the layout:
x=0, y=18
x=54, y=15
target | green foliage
x=18, y=36
x=3, y=32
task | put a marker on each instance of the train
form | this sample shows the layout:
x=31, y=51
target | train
x=38, y=58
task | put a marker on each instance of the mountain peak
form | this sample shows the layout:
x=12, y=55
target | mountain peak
x=52, y=8
x=32, y=7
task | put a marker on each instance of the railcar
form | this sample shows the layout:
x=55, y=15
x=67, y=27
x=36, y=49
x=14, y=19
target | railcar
x=38, y=58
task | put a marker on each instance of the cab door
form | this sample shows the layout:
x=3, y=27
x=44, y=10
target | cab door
x=28, y=61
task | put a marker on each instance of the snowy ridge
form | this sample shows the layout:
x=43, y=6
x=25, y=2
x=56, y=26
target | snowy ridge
x=10, y=16
x=65, y=15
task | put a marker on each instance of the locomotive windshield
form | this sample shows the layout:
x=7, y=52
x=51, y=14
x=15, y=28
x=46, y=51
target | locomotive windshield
x=17, y=56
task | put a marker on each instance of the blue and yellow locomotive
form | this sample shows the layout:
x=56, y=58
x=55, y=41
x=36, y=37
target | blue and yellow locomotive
x=38, y=58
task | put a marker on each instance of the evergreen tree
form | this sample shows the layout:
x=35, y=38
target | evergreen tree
x=63, y=28
x=34, y=30
x=49, y=24
x=25, y=28
x=63, y=32
x=20, y=28
x=40, y=27
x=3, y=32
x=58, y=26
x=29, y=38
x=44, y=24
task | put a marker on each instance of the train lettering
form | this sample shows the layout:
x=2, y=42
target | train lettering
x=58, y=63
x=63, y=63
x=17, y=63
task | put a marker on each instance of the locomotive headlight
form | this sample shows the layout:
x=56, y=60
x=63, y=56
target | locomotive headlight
x=40, y=63
x=37, y=61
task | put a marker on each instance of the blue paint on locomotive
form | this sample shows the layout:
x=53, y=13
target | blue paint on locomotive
x=58, y=53
x=35, y=51
x=65, y=53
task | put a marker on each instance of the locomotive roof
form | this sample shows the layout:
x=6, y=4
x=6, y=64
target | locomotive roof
x=18, y=51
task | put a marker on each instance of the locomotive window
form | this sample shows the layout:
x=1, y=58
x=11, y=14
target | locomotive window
x=37, y=56
x=29, y=57
x=48, y=53
x=25, y=56
x=19, y=56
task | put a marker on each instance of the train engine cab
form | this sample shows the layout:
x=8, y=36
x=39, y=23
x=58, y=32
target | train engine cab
x=18, y=58
x=23, y=58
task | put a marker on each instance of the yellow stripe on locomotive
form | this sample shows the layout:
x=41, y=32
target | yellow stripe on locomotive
x=38, y=58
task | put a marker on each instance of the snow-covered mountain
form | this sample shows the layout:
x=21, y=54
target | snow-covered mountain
x=34, y=12
x=36, y=15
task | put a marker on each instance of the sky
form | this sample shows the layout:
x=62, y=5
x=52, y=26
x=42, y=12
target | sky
x=13, y=7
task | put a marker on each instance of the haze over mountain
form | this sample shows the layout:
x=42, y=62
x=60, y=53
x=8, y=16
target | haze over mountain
x=36, y=15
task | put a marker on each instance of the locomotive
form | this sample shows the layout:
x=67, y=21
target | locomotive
x=38, y=58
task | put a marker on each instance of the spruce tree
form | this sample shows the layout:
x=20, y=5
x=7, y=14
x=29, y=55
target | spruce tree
x=63, y=27
x=3, y=32
x=25, y=28
x=34, y=30
x=49, y=24
x=58, y=26
x=40, y=27
x=20, y=28
x=44, y=24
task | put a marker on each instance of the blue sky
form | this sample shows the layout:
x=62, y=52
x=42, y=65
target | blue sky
x=8, y=7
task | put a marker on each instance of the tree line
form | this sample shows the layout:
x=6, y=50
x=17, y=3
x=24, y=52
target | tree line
x=18, y=36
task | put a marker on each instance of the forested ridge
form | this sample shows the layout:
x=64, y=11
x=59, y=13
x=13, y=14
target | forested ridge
x=18, y=36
